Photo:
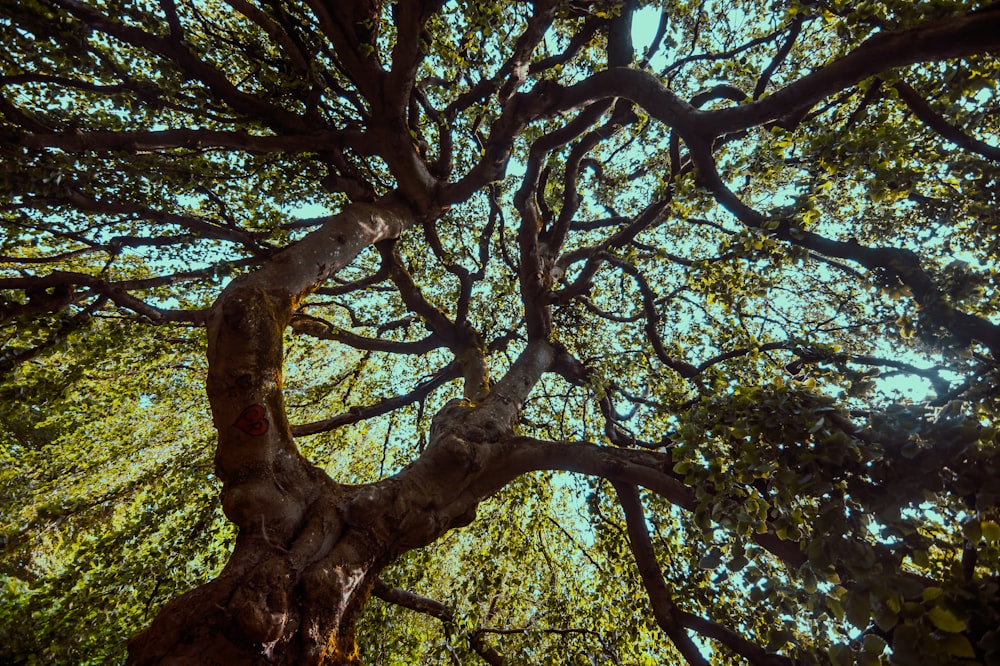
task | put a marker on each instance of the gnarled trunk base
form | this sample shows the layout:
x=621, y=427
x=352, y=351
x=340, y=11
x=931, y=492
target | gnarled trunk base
x=271, y=605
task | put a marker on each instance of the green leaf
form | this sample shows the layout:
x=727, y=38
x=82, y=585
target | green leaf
x=737, y=563
x=712, y=560
x=906, y=639
x=885, y=618
x=858, y=609
x=991, y=531
x=835, y=607
x=945, y=620
x=841, y=655
x=959, y=646
x=873, y=644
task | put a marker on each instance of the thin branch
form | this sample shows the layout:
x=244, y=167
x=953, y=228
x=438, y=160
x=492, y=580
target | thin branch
x=436, y=609
x=63, y=286
x=923, y=111
x=357, y=414
x=324, y=330
x=903, y=264
x=194, y=139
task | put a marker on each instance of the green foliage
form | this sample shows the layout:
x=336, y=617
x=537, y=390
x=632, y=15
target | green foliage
x=109, y=507
x=831, y=408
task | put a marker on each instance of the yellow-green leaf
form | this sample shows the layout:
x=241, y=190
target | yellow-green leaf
x=945, y=620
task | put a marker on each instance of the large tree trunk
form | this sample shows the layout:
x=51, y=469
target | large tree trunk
x=299, y=573
x=309, y=550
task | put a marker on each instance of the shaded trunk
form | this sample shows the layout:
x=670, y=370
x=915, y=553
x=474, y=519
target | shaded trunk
x=298, y=575
x=309, y=550
x=266, y=607
x=295, y=585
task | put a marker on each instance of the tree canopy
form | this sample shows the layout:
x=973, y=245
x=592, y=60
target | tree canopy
x=559, y=331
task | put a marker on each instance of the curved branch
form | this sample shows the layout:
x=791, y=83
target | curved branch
x=173, y=49
x=274, y=31
x=902, y=263
x=324, y=330
x=750, y=651
x=935, y=40
x=202, y=228
x=664, y=610
x=409, y=19
x=923, y=111
x=357, y=414
x=463, y=340
x=63, y=284
x=672, y=619
x=622, y=116
x=651, y=329
x=595, y=255
x=779, y=57
x=651, y=470
x=435, y=609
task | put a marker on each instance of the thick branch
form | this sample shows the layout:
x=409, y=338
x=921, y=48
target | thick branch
x=138, y=142
x=245, y=330
x=507, y=398
x=949, y=38
x=664, y=610
x=936, y=40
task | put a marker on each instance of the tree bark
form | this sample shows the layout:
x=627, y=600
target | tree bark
x=309, y=550
x=299, y=573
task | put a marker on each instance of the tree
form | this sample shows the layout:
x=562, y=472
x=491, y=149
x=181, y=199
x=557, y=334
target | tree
x=428, y=258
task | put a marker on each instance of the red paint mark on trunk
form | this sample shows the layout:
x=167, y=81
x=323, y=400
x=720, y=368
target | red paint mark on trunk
x=252, y=421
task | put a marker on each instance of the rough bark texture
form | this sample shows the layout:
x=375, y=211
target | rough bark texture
x=300, y=572
x=309, y=550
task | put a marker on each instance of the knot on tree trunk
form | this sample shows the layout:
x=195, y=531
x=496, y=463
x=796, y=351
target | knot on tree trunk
x=252, y=311
x=472, y=422
x=332, y=596
x=259, y=605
